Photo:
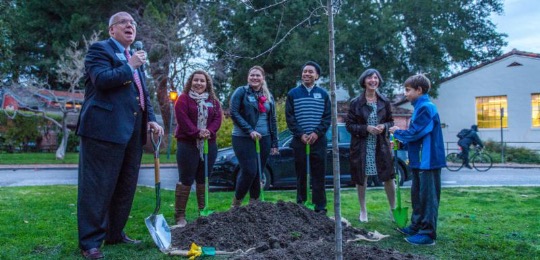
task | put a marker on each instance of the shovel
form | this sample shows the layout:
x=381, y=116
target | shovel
x=400, y=214
x=308, y=202
x=159, y=230
x=258, y=150
x=205, y=212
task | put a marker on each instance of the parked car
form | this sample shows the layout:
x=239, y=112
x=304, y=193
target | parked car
x=279, y=171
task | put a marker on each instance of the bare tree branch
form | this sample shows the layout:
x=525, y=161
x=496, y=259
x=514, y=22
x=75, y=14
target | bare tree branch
x=250, y=6
x=275, y=44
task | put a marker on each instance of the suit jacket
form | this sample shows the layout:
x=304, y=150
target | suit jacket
x=111, y=100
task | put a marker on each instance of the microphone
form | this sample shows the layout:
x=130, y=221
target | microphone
x=139, y=47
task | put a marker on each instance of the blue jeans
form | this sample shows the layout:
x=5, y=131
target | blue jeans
x=425, y=197
x=190, y=164
x=248, y=177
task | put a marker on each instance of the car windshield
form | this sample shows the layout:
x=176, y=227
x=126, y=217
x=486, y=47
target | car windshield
x=284, y=137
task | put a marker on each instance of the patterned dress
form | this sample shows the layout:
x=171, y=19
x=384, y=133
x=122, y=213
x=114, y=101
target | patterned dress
x=371, y=166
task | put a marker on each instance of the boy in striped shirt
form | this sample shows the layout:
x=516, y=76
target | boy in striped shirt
x=308, y=118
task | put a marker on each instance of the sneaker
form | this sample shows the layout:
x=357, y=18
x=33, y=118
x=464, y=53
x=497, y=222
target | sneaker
x=468, y=166
x=421, y=240
x=408, y=231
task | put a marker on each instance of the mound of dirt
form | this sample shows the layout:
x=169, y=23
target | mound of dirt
x=283, y=230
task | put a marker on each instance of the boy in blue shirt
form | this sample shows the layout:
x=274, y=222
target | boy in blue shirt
x=425, y=144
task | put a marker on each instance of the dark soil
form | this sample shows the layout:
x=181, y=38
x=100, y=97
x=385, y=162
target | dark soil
x=283, y=230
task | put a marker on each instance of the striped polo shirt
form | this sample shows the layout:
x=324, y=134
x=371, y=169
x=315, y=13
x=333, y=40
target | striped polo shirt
x=309, y=106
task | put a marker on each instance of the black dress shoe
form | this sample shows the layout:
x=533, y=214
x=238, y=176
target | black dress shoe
x=125, y=240
x=92, y=253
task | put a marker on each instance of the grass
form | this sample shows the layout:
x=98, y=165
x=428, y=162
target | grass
x=70, y=158
x=474, y=223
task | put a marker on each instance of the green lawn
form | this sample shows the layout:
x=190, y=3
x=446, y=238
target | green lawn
x=70, y=158
x=474, y=223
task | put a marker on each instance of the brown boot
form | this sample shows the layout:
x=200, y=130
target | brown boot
x=200, y=188
x=236, y=203
x=182, y=196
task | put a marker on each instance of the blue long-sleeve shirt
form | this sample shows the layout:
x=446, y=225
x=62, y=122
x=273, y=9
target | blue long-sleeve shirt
x=424, y=137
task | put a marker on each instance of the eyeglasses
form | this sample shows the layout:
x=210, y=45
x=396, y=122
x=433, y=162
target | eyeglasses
x=125, y=22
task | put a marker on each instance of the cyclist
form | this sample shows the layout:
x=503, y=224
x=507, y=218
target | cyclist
x=469, y=138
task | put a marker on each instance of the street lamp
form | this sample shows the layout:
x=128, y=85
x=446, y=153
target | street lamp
x=173, y=95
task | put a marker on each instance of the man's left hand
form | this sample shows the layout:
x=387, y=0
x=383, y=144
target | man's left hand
x=312, y=138
x=156, y=128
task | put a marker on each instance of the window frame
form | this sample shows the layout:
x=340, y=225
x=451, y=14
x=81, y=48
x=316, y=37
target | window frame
x=488, y=113
x=535, y=110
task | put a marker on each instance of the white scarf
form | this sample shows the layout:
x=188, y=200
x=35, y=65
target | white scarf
x=202, y=116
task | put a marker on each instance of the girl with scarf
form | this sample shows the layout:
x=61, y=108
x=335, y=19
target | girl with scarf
x=198, y=117
x=254, y=117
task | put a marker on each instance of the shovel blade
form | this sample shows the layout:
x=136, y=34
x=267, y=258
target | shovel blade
x=401, y=216
x=309, y=205
x=160, y=231
x=206, y=212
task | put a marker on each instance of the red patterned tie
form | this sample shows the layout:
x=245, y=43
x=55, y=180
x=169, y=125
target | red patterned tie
x=137, y=82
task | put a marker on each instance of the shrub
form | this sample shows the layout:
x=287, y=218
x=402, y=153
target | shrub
x=73, y=141
x=511, y=153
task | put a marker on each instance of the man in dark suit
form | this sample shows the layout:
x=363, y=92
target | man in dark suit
x=112, y=125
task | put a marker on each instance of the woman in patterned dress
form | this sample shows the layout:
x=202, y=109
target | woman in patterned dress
x=368, y=120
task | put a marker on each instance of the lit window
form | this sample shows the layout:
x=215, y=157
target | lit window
x=535, y=105
x=488, y=112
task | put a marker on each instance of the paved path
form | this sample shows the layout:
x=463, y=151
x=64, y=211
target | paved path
x=34, y=175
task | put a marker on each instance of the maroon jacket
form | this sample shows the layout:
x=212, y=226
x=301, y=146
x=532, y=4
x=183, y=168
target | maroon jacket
x=186, y=118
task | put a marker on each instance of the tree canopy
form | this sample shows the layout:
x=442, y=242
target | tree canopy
x=399, y=38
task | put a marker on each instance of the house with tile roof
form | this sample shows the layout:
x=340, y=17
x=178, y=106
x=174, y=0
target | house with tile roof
x=501, y=96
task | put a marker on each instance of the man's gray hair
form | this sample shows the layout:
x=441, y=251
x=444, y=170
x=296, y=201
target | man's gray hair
x=113, y=17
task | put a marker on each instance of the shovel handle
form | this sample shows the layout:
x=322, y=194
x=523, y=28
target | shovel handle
x=155, y=144
x=398, y=191
x=395, y=141
x=308, y=149
x=205, y=149
x=257, y=146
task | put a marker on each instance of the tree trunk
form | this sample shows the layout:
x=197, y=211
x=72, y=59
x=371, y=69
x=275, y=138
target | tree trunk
x=335, y=145
x=160, y=74
x=61, y=151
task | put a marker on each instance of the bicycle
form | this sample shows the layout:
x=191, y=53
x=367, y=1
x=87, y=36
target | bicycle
x=480, y=161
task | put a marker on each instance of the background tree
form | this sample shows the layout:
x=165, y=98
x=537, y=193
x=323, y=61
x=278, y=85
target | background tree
x=70, y=71
x=169, y=30
x=42, y=30
x=6, y=35
x=400, y=38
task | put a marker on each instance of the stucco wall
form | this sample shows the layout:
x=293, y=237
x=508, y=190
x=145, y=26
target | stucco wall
x=457, y=97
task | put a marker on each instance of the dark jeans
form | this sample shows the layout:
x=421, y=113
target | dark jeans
x=190, y=164
x=465, y=154
x=425, y=197
x=108, y=174
x=317, y=161
x=248, y=178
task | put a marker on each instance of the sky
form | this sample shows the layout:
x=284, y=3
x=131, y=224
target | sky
x=521, y=22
